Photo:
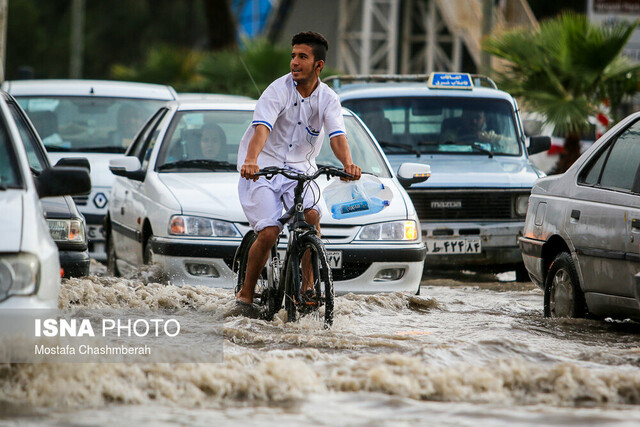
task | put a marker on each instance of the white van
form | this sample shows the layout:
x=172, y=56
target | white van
x=93, y=119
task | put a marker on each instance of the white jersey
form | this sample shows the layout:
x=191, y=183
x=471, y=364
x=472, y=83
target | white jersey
x=296, y=125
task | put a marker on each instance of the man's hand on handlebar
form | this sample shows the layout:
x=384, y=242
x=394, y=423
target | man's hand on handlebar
x=249, y=169
x=354, y=171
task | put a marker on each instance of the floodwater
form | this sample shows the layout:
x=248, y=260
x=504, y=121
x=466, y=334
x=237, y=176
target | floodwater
x=470, y=350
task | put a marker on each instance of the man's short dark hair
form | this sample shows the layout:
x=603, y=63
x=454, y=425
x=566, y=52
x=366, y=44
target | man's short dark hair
x=318, y=43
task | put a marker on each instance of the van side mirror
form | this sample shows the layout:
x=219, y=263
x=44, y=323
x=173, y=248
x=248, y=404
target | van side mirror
x=80, y=162
x=413, y=173
x=128, y=167
x=63, y=181
x=538, y=144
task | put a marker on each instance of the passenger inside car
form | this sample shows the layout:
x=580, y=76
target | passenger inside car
x=129, y=121
x=213, y=142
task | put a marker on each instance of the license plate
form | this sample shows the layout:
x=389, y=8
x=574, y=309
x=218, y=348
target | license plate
x=453, y=246
x=95, y=232
x=334, y=258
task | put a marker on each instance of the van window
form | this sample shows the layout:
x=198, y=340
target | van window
x=88, y=124
x=9, y=172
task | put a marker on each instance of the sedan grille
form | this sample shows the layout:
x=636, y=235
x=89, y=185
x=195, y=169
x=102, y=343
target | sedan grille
x=464, y=205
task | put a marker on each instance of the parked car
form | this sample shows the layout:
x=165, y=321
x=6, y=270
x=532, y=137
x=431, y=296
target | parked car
x=66, y=224
x=92, y=119
x=582, y=230
x=176, y=203
x=29, y=265
x=472, y=209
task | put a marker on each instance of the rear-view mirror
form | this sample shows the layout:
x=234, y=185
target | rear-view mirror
x=538, y=144
x=80, y=162
x=63, y=181
x=413, y=173
x=128, y=167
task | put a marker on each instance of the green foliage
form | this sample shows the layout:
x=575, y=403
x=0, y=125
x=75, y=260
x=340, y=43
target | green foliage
x=567, y=68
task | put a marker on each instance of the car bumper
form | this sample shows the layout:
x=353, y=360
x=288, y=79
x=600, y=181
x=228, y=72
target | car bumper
x=499, y=244
x=362, y=269
x=75, y=263
x=532, y=257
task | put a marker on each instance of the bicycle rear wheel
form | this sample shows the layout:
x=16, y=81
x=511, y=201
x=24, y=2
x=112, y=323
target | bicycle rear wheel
x=317, y=274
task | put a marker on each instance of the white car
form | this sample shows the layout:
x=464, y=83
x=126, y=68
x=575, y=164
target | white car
x=29, y=264
x=93, y=119
x=176, y=203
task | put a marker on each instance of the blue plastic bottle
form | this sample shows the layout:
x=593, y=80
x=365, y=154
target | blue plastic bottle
x=358, y=207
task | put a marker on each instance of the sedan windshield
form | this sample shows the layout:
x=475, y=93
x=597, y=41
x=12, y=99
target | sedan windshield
x=440, y=125
x=208, y=141
x=88, y=124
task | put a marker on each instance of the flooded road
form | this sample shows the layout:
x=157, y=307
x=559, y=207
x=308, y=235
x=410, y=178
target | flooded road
x=470, y=350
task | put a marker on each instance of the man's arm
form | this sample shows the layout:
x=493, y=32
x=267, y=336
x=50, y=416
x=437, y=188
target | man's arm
x=256, y=144
x=340, y=148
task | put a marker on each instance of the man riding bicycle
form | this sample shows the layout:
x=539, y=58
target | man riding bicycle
x=285, y=132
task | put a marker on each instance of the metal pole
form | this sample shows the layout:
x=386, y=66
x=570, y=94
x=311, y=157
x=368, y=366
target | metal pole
x=77, y=39
x=487, y=28
x=4, y=9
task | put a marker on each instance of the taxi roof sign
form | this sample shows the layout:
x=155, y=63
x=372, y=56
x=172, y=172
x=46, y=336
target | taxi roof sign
x=450, y=81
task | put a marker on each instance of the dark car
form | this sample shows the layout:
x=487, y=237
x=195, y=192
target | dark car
x=66, y=224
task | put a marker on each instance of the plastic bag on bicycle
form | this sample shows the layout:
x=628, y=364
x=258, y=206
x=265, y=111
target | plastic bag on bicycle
x=348, y=199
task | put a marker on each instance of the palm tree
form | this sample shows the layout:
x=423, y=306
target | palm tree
x=566, y=70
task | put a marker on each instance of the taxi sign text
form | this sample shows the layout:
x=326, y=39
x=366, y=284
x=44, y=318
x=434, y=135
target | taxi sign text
x=450, y=81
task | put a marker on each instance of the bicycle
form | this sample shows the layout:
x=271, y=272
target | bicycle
x=284, y=280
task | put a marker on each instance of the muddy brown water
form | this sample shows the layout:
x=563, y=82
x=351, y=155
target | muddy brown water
x=470, y=350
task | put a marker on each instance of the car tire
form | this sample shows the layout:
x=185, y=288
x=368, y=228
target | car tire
x=562, y=294
x=522, y=275
x=112, y=265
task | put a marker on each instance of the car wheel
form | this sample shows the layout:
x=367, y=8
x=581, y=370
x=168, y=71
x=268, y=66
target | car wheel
x=562, y=294
x=112, y=266
x=522, y=275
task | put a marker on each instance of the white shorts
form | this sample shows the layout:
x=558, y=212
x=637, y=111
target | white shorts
x=262, y=201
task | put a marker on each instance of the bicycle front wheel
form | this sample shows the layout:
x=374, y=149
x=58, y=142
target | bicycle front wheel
x=308, y=281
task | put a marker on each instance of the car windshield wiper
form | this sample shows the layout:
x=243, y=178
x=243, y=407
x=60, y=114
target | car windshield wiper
x=480, y=148
x=3, y=187
x=57, y=148
x=213, y=165
x=100, y=149
x=407, y=148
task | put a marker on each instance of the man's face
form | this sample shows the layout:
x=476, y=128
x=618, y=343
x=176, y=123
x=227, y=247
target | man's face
x=476, y=120
x=303, y=63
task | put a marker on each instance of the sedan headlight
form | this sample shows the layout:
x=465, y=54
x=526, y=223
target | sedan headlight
x=522, y=202
x=19, y=275
x=395, y=230
x=184, y=225
x=66, y=230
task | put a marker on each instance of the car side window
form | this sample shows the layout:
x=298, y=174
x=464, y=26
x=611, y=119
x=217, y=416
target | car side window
x=619, y=171
x=37, y=157
x=617, y=165
x=140, y=143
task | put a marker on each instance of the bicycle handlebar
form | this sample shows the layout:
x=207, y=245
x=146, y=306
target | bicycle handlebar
x=271, y=171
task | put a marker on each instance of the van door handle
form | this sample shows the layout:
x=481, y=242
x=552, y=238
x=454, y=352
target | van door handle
x=575, y=214
x=635, y=223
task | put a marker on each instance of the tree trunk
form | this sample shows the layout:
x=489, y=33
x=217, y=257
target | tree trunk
x=570, y=152
x=221, y=24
